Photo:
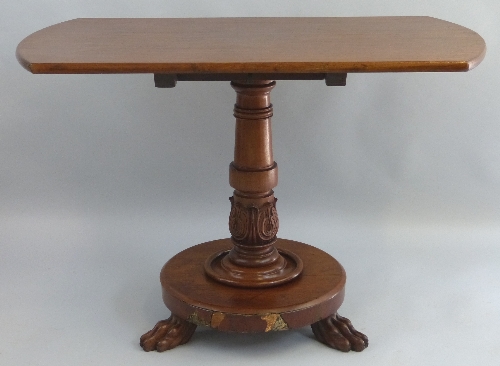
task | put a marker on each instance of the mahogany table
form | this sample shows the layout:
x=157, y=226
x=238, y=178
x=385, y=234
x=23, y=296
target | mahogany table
x=252, y=281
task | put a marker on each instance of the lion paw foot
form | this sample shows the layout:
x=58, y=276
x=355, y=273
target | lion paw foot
x=337, y=332
x=167, y=334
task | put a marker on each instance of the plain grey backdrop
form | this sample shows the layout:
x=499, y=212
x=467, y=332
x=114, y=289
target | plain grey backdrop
x=103, y=178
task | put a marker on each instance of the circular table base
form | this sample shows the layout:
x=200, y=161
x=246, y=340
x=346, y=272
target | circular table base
x=193, y=296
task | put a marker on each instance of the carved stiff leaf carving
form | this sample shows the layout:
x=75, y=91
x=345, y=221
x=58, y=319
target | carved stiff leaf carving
x=239, y=221
x=268, y=222
x=253, y=225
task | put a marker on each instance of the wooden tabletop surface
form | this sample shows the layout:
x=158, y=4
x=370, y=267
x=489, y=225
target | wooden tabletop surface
x=251, y=45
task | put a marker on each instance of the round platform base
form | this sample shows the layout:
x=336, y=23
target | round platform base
x=193, y=296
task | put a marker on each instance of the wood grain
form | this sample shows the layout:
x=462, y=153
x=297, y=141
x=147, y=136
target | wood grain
x=254, y=261
x=252, y=45
x=192, y=296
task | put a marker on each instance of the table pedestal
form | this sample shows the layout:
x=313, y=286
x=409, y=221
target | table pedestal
x=253, y=282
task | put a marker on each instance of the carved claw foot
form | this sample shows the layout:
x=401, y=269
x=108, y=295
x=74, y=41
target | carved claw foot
x=167, y=334
x=337, y=332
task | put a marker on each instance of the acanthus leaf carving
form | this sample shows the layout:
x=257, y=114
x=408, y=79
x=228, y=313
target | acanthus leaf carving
x=253, y=225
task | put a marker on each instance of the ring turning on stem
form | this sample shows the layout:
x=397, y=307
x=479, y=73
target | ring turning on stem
x=254, y=261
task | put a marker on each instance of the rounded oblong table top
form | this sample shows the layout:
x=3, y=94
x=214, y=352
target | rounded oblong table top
x=251, y=45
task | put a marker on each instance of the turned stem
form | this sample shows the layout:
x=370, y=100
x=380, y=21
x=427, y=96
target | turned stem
x=254, y=261
x=253, y=221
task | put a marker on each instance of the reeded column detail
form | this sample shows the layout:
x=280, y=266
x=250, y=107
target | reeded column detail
x=254, y=261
